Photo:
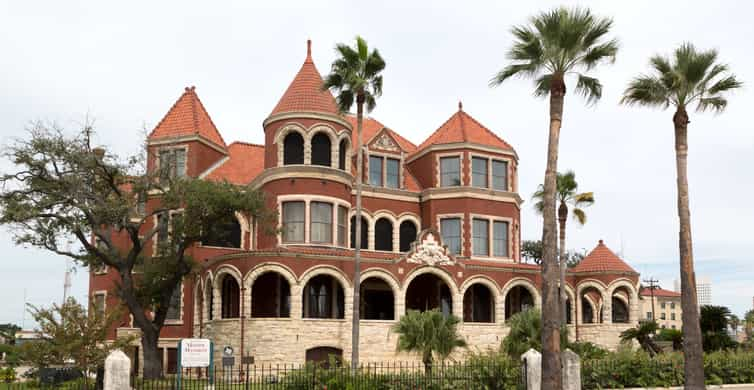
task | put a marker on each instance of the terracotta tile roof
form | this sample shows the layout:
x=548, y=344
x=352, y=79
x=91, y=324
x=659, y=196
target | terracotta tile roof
x=462, y=127
x=244, y=162
x=602, y=259
x=188, y=117
x=305, y=93
x=659, y=293
x=370, y=129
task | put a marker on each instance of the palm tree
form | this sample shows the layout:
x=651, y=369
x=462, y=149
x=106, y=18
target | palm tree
x=429, y=333
x=553, y=45
x=355, y=76
x=569, y=199
x=526, y=333
x=644, y=334
x=690, y=77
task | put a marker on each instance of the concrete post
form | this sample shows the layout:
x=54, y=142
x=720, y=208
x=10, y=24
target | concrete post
x=571, y=370
x=533, y=363
x=117, y=371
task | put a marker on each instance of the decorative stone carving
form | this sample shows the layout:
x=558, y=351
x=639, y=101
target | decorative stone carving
x=430, y=252
x=384, y=142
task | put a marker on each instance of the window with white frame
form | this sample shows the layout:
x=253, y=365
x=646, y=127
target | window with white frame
x=384, y=172
x=489, y=173
x=450, y=229
x=500, y=239
x=172, y=163
x=99, y=302
x=342, y=225
x=450, y=171
x=480, y=231
x=321, y=222
x=294, y=221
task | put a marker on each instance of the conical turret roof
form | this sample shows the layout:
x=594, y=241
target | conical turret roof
x=602, y=259
x=188, y=117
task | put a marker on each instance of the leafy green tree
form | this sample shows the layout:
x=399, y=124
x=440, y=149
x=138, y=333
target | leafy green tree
x=63, y=190
x=569, y=199
x=355, y=76
x=526, y=333
x=644, y=334
x=430, y=333
x=531, y=250
x=69, y=332
x=673, y=335
x=734, y=322
x=749, y=325
x=8, y=333
x=689, y=77
x=552, y=45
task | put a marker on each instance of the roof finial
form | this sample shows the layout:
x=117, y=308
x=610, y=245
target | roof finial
x=308, y=48
x=602, y=242
x=460, y=105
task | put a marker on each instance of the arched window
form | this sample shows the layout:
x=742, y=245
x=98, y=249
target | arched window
x=427, y=292
x=377, y=300
x=620, y=311
x=323, y=298
x=478, y=304
x=227, y=234
x=342, y=153
x=271, y=296
x=591, y=306
x=209, y=301
x=383, y=235
x=407, y=235
x=518, y=299
x=321, y=150
x=293, y=149
x=230, y=298
x=364, y=233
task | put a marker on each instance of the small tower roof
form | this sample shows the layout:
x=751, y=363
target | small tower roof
x=188, y=117
x=602, y=259
x=305, y=93
x=462, y=127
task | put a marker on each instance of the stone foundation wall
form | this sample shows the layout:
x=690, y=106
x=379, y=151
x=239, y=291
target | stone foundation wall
x=604, y=335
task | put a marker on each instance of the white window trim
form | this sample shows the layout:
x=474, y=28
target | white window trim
x=307, y=199
x=407, y=216
x=460, y=216
x=307, y=133
x=246, y=227
x=490, y=158
x=104, y=299
x=168, y=149
x=179, y=321
x=384, y=156
x=396, y=233
x=491, y=219
x=438, y=175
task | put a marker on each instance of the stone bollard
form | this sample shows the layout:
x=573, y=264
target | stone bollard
x=571, y=370
x=533, y=363
x=117, y=371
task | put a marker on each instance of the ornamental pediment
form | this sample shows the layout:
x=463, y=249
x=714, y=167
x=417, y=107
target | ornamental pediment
x=383, y=141
x=428, y=250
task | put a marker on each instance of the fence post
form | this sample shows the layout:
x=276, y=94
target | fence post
x=571, y=370
x=117, y=371
x=533, y=361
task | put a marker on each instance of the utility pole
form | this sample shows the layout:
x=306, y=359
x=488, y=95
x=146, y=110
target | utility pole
x=652, y=285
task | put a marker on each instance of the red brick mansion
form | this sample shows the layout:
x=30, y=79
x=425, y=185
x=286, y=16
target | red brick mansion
x=440, y=229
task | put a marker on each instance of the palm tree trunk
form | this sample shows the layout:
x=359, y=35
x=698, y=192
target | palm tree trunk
x=551, y=379
x=692, y=335
x=357, y=247
x=562, y=218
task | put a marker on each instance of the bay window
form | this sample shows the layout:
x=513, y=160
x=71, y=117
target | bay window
x=480, y=231
x=500, y=239
x=500, y=175
x=342, y=225
x=479, y=172
x=450, y=171
x=294, y=220
x=321, y=222
x=450, y=229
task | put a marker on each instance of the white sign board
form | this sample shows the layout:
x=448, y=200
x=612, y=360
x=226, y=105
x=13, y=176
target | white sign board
x=195, y=352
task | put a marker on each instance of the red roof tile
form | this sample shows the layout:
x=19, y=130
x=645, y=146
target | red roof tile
x=188, y=117
x=602, y=259
x=659, y=293
x=462, y=127
x=244, y=162
x=305, y=93
x=370, y=129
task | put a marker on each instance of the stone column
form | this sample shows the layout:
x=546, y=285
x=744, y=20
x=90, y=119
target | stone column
x=571, y=370
x=533, y=361
x=117, y=371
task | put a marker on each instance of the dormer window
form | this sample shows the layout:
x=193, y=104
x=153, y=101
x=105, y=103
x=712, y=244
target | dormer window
x=450, y=171
x=172, y=163
x=384, y=172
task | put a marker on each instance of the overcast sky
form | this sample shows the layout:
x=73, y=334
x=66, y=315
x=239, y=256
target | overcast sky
x=125, y=63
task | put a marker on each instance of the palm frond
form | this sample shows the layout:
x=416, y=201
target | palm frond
x=692, y=64
x=543, y=85
x=362, y=48
x=589, y=87
x=522, y=70
x=724, y=85
x=600, y=53
x=646, y=91
x=579, y=215
x=583, y=199
x=354, y=72
x=714, y=103
x=596, y=31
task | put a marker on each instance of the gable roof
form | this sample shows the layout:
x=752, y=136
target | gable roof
x=602, y=259
x=659, y=292
x=305, y=93
x=245, y=161
x=188, y=117
x=462, y=127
